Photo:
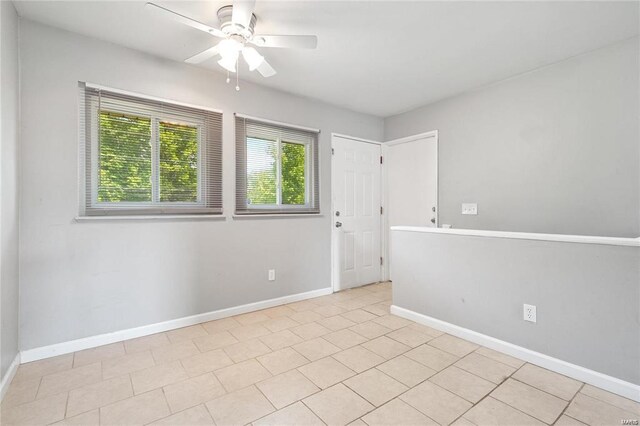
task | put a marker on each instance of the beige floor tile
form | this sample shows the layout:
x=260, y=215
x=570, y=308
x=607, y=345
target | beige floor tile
x=487, y=368
x=355, y=303
x=252, y=318
x=241, y=375
x=192, y=417
x=385, y=347
x=157, y=376
x=359, y=359
x=247, y=349
x=493, y=412
x=326, y=372
x=205, y=362
x=431, y=357
x=65, y=381
x=500, y=357
x=548, y=381
x=126, y=364
x=281, y=339
x=283, y=360
x=302, y=306
x=248, y=332
x=357, y=422
x=336, y=323
x=436, y=402
x=392, y=322
x=359, y=315
x=98, y=395
x=395, y=413
x=595, y=412
x=89, y=418
x=183, y=349
x=294, y=415
x=186, y=333
x=305, y=317
x=310, y=330
x=426, y=330
x=287, y=388
x=214, y=341
x=240, y=407
x=370, y=329
x=610, y=398
x=453, y=345
x=141, y=409
x=93, y=355
x=218, y=326
x=462, y=422
x=530, y=400
x=379, y=309
x=42, y=411
x=375, y=386
x=329, y=310
x=35, y=369
x=146, y=343
x=278, y=324
x=406, y=371
x=338, y=405
x=409, y=337
x=278, y=311
x=464, y=384
x=20, y=392
x=344, y=339
x=192, y=392
x=316, y=348
x=565, y=420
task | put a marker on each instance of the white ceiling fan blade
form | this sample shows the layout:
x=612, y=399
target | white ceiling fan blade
x=186, y=20
x=287, y=41
x=203, y=56
x=265, y=69
x=242, y=11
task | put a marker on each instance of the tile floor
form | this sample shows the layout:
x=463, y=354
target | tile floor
x=336, y=360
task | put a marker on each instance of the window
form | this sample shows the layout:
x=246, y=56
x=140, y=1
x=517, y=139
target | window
x=142, y=156
x=276, y=168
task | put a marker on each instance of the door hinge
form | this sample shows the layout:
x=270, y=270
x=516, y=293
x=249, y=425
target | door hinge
x=381, y=210
x=381, y=159
x=333, y=151
x=380, y=260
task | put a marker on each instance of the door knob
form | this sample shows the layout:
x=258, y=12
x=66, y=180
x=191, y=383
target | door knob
x=338, y=224
x=433, y=220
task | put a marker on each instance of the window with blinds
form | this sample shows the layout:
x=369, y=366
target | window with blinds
x=149, y=157
x=276, y=168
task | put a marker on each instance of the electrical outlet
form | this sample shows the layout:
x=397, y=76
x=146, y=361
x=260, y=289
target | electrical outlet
x=272, y=274
x=470, y=208
x=529, y=313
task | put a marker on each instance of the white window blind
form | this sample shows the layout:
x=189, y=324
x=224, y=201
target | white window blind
x=276, y=168
x=143, y=156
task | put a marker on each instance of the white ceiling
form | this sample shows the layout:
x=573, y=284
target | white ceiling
x=377, y=57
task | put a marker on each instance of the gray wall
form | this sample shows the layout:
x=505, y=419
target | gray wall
x=9, y=106
x=555, y=150
x=83, y=279
x=586, y=295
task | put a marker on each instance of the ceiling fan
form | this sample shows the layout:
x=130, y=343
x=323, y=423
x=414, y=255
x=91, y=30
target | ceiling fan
x=237, y=24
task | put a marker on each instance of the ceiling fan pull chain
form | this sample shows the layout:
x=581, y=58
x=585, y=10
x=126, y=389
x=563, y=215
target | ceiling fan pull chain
x=237, y=75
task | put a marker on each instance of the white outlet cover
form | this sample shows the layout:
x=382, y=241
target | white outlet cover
x=272, y=274
x=470, y=208
x=529, y=313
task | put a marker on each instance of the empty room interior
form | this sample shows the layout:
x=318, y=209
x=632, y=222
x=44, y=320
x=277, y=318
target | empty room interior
x=257, y=212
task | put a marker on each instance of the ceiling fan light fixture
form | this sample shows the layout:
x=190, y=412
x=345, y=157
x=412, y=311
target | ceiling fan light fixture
x=252, y=57
x=230, y=47
x=229, y=62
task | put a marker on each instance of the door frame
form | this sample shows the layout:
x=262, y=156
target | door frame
x=335, y=270
x=385, y=190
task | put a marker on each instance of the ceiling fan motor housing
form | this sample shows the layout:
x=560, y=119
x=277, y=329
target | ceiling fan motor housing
x=230, y=28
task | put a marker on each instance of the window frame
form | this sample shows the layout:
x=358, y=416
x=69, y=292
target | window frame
x=138, y=106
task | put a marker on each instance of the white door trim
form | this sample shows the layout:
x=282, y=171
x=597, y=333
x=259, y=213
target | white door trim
x=385, y=191
x=383, y=233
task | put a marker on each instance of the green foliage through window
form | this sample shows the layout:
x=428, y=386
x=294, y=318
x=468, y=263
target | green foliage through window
x=178, y=162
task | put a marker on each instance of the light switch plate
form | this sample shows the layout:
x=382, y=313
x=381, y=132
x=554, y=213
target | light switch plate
x=469, y=208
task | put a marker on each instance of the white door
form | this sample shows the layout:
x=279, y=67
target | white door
x=412, y=182
x=356, y=212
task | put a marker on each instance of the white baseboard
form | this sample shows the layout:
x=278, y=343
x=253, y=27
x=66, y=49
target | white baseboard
x=8, y=377
x=609, y=383
x=145, y=330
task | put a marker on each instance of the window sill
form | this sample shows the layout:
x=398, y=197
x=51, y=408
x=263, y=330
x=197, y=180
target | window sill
x=276, y=215
x=152, y=218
